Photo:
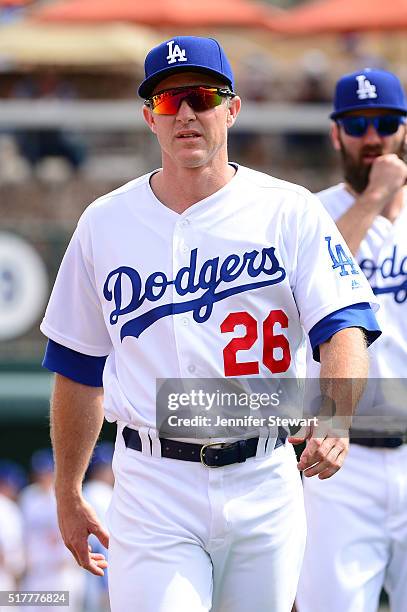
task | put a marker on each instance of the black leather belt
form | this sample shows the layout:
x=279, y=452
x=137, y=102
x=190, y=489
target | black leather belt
x=376, y=442
x=214, y=454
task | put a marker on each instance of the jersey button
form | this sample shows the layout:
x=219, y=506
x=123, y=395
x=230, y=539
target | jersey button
x=185, y=321
x=191, y=368
x=185, y=223
x=185, y=249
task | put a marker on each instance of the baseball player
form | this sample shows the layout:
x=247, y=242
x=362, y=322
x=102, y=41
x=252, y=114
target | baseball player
x=201, y=269
x=49, y=565
x=362, y=512
x=12, y=558
x=97, y=490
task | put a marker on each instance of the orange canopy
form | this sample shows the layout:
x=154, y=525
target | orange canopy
x=14, y=2
x=335, y=16
x=182, y=13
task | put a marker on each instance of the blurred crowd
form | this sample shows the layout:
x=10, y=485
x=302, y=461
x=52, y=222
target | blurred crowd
x=33, y=556
x=58, y=154
x=268, y=69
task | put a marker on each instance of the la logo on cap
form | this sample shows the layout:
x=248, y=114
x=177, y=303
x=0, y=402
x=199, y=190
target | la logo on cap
x=365, y=88
x=175, y=54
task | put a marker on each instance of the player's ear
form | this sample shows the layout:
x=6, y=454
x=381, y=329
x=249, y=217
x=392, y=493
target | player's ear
x=335, y=136
x=234, y=105
x=149, y=118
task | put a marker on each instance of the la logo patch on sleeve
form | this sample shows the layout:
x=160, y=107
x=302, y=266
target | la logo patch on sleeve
x=340, y=259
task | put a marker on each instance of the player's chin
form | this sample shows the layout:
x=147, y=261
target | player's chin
x=192, y=159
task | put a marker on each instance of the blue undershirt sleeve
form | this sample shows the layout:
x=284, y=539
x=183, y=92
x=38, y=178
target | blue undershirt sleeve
x=84, y=369
x=357, y=315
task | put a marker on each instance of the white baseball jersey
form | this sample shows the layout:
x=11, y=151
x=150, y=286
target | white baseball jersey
x=12, y=559
x=367, y=499
x=99, y=495
x=382, y=256
x=230, y=287
x=49, y=563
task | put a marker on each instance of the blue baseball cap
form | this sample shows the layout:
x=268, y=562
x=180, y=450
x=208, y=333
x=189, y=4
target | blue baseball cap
x=42, y=461
x=369, y=88
x=12, y=474
x=102, y=456
x=182, y=54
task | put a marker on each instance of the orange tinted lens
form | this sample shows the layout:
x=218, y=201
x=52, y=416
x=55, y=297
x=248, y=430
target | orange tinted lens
x=198, y=98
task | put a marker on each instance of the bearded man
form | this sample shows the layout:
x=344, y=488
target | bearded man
x=357, y=521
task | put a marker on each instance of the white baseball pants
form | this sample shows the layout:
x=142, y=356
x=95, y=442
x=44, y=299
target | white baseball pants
x=187, y=538
x=357, y=534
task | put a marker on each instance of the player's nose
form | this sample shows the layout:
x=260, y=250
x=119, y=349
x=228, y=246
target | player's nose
x=371, y=136
x=185, y=112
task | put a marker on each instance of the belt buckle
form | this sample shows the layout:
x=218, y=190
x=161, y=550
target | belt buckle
x=201, y=453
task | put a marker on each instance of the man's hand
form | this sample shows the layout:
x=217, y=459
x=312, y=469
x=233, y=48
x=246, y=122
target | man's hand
x=388, y=174
x=77, y=520
x=344, y=369
x=325, y=451
x=76, y=421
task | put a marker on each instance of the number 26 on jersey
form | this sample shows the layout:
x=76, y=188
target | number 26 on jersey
x=276, y=363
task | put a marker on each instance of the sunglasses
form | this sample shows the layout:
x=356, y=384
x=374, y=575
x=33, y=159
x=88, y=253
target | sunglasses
x=385, y=125
x=200, y=98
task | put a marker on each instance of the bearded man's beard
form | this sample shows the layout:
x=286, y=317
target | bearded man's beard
x=356, y=173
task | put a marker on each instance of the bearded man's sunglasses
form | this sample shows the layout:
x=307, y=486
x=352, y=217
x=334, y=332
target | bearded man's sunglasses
x=357, y=126
x=199, y=97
